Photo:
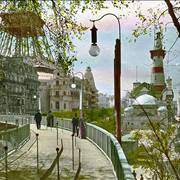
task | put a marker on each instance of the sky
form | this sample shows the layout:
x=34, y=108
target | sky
x=136, y=62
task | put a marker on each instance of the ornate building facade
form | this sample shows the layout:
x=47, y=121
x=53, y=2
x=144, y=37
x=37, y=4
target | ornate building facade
x=56, y=93
x=18, y=86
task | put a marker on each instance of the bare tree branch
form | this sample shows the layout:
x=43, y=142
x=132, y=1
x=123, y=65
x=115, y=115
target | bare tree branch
x=173, y=16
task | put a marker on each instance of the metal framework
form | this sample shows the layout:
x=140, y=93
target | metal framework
x=22, y=35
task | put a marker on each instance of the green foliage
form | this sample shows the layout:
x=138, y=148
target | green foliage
x=154, y=19
x=61, y=22
x=62, y=26
x=66, y=114
x=102, y=117
x=156, y=151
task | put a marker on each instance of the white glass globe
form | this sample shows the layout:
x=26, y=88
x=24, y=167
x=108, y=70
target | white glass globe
x=94, y=50
x=73, y=86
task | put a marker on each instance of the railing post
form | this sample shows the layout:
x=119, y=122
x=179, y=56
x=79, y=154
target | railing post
x=62, y=124
x=79, y=157
x=6, y=133
x=22, y=121
x=57, y=132
x=17, y=130
x=37, y=140
x=79, y=166
x=58, y=177
x=73, y=152
x=6, y=164
x=75, y=140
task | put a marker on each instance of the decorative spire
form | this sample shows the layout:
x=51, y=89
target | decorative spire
x=158, y=41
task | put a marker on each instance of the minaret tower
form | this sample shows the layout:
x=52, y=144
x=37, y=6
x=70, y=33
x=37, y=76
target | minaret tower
x=157, y=55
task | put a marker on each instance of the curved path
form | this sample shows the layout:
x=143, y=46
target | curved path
x=95, y=165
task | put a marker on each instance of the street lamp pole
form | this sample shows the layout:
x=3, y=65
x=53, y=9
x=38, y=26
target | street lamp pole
x=81, y=94
x=94, y=51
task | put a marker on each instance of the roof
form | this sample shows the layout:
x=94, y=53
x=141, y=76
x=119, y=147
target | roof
x=22, y=23
x=128, y=109
x=145, y=99
x=162, y=109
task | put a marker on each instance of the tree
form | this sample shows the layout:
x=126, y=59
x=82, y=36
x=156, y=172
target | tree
x=157, y=156
x=62, y=25
x=172, y=12
x=156, y=151
x=154, y=18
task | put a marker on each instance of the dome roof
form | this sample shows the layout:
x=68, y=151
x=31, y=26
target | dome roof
x=145, y=99
x=128, y=109
x=162, y=109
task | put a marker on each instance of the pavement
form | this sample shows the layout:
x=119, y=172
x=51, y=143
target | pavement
x=22, y=165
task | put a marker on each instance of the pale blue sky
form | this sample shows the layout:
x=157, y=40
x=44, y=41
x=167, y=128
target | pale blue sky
x=133, y=54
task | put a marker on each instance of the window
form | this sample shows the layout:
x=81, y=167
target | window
x=57, y=93
x=64, y=105
x=57, y=105
x=57, y=83
x=64, y=93
x=64, y=82
x=57, y=74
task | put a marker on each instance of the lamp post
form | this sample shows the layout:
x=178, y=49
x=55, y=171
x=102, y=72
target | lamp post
x=73, y=85
x=34, y=103
x=82, y=126
x=94, y=51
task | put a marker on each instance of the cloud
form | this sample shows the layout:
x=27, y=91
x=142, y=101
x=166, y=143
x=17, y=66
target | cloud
x=133, y=54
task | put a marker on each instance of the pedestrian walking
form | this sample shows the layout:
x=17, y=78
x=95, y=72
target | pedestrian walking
x=38, y=118
x=50, y=119
x=141, y=178
x=134, y=174
x=75, y=124
x=82, y=127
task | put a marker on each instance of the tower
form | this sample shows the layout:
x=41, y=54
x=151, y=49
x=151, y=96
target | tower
x=157, y=76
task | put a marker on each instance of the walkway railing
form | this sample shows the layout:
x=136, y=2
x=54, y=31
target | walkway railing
x=108, y=144
x=55, y=162
x=103, y=140
x=13, y=138
x=16, y=119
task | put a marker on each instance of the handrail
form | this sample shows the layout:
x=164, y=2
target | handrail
x=16, y=137
x=49, y=171
x=111, y=147
x=108, y=144
x=79, y=167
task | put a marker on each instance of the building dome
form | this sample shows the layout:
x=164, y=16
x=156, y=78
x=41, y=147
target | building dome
x=162, y=109
x=128, y=109
x=145, y=99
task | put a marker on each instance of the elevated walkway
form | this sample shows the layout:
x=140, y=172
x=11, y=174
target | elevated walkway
x=94, y=164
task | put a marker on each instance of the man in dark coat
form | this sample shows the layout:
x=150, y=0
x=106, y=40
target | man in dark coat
x=38, y=118
x=75, y=124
